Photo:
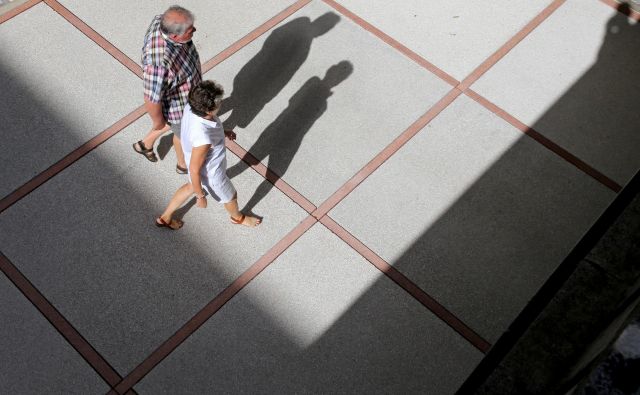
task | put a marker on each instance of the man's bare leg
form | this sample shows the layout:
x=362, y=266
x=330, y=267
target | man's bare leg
x=154, y=134
x=179, y=154
x=234, y=212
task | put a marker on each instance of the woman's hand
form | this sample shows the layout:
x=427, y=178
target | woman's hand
x=201, y=202
x=231, y=135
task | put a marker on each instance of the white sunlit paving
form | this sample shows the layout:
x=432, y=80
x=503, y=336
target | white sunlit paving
x=420, y=173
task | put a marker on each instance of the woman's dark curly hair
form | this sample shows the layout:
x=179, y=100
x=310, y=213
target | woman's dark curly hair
x=205, y=97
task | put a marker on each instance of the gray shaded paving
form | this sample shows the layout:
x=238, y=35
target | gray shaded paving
x=35, y=356
x=334, y=323
x=58, y=90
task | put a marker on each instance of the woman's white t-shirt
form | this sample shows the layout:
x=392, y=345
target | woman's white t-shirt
x=196, y=131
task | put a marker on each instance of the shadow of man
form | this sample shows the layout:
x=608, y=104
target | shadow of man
x=262, y=78
x=282, y=138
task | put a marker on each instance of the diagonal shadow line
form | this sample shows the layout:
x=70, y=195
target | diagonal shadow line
x=95, y=37
x=547, y=143
x=60, y=323
x=69, y=159
x=18, y=10
x=212, y=307
x=409, y=286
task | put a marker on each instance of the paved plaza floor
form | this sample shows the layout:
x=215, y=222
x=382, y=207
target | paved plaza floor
x=421, y=167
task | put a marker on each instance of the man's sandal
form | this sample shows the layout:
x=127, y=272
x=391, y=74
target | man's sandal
x=161, y=223
x=146, y=152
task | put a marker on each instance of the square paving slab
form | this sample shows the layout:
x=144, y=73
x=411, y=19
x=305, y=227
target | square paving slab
x=320, y=113
x=475, y=213
x=319, y=319
x=35, y=356
x=219, y=24
x=575, y=80
x=456, y=36
x=59, y=90
x=86, y=239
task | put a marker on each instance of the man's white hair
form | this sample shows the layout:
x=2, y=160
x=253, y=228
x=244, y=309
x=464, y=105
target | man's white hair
x=168, y=26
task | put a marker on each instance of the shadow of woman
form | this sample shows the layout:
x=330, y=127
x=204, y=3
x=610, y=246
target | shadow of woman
x=282, y=138
x=262, y=78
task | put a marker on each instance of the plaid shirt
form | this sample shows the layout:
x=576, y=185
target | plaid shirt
x=170, y=70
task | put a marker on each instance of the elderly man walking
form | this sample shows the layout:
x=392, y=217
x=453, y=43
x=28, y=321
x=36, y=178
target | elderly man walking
x=171, y=66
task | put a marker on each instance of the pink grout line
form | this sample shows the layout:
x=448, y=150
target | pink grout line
x=95, y=37
x=633, y=14
x=212, y=307
x=401, y=280
x=385, y=154
x=393, y=43
x=550, y=145
x=18, y=10
x=59, y=322
x=68, y=160
x=270, y=176
x=509, y=45
x=260, y=30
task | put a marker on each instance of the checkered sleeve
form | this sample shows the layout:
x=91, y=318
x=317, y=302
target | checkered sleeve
x=153, y=79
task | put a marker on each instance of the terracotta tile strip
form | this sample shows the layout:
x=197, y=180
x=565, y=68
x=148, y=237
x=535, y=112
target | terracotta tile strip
x=393, y=43
x=95, y=37
x=68, y=160
x=385, y=154
x=406, y=284
x=18, y=10
x=271, y=176
x=509, y=45
x=75, y=339
x=260, y=30
x=213, y=306
x=633, y=14
x=553, y=147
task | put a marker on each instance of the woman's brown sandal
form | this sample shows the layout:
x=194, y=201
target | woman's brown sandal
x=161, y=223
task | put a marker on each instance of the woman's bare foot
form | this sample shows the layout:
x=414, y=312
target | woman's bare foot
x=247, y=220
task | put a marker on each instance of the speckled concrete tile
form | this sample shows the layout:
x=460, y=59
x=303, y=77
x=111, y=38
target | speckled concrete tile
x=320, y=319
x=59, y=89
x=319, y=114
x=575, y=79
x=456, y=36
x=86, y=238
x=35, y=358
x=475, y=213
x=218, y=24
